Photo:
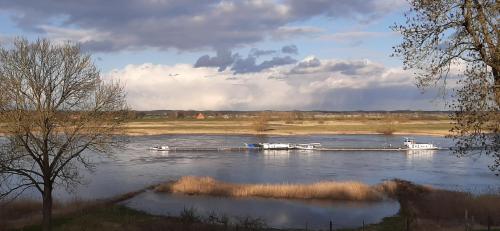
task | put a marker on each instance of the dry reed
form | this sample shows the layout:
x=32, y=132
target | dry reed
x=348, y=190
x=448, y=205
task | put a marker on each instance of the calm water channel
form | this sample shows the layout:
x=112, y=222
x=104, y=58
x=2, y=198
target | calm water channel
x=135, y=167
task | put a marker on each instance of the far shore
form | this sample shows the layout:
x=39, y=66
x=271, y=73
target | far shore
x=438, y=128
x=430, y=127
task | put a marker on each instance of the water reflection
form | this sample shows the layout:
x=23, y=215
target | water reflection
x=420, y=154
x=135, y=167
x=276, y=213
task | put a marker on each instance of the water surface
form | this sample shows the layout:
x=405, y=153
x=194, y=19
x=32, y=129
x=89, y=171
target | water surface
x=135, y=167
x=274, y=213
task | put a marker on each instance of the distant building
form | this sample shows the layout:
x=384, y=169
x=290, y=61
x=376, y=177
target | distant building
x=200, y=116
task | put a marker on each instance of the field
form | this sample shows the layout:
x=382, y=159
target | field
x=436, y=126
x=292, y=123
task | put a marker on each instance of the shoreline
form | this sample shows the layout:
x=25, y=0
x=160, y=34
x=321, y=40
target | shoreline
x=418, y=202
x=135, y=134
x=436, y=128
x=151, y=133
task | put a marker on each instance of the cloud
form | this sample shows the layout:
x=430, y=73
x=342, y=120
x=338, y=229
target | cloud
x=222, y=60
x=290, y=49
x=114, y=25
x=354, y=38
x=286, y=32
x=308, y=62
x=310, y=84
x=257, y=52
x=150, y=86
x=356, y=9
x=249, y=65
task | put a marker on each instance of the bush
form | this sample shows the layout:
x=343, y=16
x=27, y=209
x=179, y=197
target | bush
x=189, y=216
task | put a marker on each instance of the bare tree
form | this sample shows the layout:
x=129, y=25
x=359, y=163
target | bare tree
x=55, y=107
x=261, y=122
x=443, y=34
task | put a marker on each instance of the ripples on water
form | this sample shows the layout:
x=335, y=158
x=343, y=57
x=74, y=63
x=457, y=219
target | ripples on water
x=276, y=213
x=135, y=167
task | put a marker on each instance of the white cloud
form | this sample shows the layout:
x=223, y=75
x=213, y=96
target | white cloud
x=60, y=34
x=182, y=86
x=327, y=85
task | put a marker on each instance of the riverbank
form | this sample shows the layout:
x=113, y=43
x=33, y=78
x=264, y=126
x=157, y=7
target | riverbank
x=439, y=126
x=432, y=127
x=422, y=208
x=118, y=218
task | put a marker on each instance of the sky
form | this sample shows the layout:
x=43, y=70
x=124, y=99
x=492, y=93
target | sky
x=235, y=54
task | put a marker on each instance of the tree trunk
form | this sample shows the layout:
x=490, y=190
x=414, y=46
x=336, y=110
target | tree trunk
x=47, y=207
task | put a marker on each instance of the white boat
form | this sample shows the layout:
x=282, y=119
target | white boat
x=277, y=146
x=411, y=144
x=160, y=148
x=311, y=146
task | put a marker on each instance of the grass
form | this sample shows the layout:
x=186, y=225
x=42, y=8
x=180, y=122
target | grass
x=20, y=213
x=283, y=127
x=423, y=207
x=434, y=208
x=353, y=191
x=394, y=223
x=118, y=218
x=338, y=125
x=451, y=206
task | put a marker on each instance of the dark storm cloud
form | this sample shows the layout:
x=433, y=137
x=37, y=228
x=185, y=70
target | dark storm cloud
x=222, y=60
x=358, y=9
x=249, y=65
x=290, y=49
x=257, y=52
x=114, y=25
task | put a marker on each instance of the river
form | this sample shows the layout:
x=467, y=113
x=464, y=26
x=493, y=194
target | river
x=135, y=167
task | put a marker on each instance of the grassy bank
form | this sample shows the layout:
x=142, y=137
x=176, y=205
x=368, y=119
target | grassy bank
x=422, y=208
x=436, y=127
x=118, y=218
x=352, y=191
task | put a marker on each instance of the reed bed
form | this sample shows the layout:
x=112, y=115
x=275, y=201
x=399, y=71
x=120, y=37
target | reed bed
x=348, y=190
x=448, y=205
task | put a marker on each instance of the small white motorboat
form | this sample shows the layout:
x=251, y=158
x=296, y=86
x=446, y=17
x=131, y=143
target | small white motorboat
x=411, y=144
x=160, y=148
